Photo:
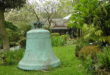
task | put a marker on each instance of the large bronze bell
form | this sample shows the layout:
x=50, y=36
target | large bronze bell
x=38, y=54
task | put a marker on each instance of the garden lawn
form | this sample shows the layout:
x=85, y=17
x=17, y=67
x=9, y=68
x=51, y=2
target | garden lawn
x=70, y=65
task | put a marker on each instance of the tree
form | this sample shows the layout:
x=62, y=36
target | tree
x=65, y=7
x=44, y=9
x=4, y=6
x=47, y=10
x=83, y=14
x=39, y=11
x=94, y=25
x=23, y=16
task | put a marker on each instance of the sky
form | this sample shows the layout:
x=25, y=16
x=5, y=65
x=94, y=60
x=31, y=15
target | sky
x=41, y=5
x=41, y=1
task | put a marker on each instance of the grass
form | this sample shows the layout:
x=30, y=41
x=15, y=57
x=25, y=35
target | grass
x=70, y=65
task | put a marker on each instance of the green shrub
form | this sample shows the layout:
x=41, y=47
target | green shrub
x=10, y=57
x=55, y=34
x=104, y=59
x=88, y=55
x=19, y=36
x=89, y=51
x=105, y=39
x=88, y=64
x=59, y=40
x=11, y=26
x=80, y=43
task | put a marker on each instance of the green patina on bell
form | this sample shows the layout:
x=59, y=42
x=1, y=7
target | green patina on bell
x=38, y=54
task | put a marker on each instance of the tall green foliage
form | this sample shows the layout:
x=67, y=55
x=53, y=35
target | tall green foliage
x=10, y=25
x=10, y=57
x=83, y=12
x=104, y=58
x=6, y=5
x=92, y=12
x=58, y=40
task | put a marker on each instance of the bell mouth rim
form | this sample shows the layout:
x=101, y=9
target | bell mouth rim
x=39, y=67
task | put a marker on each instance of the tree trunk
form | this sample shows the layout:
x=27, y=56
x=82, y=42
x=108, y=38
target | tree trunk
x=3, y=32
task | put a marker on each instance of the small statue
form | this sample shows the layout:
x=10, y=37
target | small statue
x=38, y=24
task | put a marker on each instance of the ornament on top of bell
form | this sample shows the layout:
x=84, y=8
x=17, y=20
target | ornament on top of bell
x=38, y=54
